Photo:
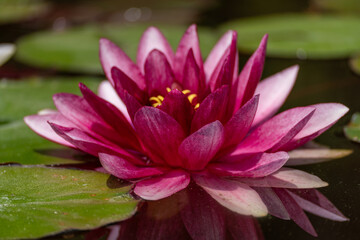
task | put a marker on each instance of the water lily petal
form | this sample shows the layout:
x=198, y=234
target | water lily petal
x=272, y=202
x=250, y=75
x=260, y=165
x=243, y=227
x=162, y=186
x=191, y=77
x=325, y=115
x=158, y=73
x=311, y=200
x=189, y=41
x=108, y=93
x=112, y=56
x=152, y=39
x=210, y=220
x=132, y=104
x=177, y=105
x=160, y=134
x=211, y=109
x=39, y=124
x=201, y=146
x=236, y=196
x=295, y=211
x=286, y=178
x=276, y=131
x=124, y=169
x=217, y=53
x=239, y=125
x=273, y=93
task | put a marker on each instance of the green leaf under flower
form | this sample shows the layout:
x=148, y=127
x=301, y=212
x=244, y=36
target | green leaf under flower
x=36, y=202
x=352, y=130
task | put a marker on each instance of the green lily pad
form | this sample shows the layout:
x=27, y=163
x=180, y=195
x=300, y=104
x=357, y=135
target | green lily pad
x=18, y=143
x=300, y=35
x=36, y=202
x=343, y=6
x=352, y=130
x=355, y=64
x=16, y=10
x=77, y=50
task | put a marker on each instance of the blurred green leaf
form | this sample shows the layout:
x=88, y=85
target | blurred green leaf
x=352, y=130
x=16, y=10
x=35, y=201
x=76, y=50
x=299, y=35
x=343, y=6
x=355, y=64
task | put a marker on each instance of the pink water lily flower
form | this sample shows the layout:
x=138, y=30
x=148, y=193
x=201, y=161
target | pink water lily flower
x=171, y=118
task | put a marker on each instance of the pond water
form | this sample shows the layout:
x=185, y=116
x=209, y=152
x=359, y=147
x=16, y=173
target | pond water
x=326, y=80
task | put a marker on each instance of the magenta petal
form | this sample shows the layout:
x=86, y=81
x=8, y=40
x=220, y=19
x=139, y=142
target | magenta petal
x=325, y=115
x=235, y=196
x=295, y=211
x=39, y=124
x=158, y=73
x=218, y=52
x=275, y=132
x=272, y=202
x=189, y=41
x=200, y=147
x=273, y=93
x=177, y=105
x=191, y=77
x=112, y=56
x=250, y=75
x=239, y=125
x=160, y=134
x=132, y=104
x=286, y=178
x=124, y=169
x=162, y=186
x=243, y=227
x=152, y=39
x=211, y=109
x=311, y=200
x=123, y=82
x=202, y=216
x=258, y=166
x=107, y=92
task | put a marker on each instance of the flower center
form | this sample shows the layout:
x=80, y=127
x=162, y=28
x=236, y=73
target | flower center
x=157, y=100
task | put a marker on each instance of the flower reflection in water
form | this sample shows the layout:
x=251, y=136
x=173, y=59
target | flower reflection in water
x=172, y=120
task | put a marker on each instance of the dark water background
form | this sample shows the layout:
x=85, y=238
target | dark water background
x=318, y=81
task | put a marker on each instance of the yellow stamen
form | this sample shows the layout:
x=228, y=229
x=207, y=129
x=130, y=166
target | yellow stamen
x=191, y=97
x=160, y=97
x=168, y=89
x=197, y=106
x=186, y=91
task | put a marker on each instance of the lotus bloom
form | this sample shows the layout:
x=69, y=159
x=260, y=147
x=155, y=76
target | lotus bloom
x=170, y=119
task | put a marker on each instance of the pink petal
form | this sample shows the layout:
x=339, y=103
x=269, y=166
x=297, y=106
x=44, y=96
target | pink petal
x=158, y=73
x=191, y=76
x=243, y=227
x=217, y=53
x=189, y=42
x=325, y=115
x=235, y=196
x=39, y=124
x=211, y=109
x=160, y=134
x=275, y=132
x=239, y=125
x=163, y=186
x=260, y=165
x=112, y=56
x=272, y=202
x=273, y=93
x=295, y=211
x=123, y=82
x=152, y=39
x=314, y=202
x=200, y=147
x=124, y=169
x=202, y=216
x=250, y=75
x=286, y=178
x=177, y=105
x=132, y=104
x=108, y=93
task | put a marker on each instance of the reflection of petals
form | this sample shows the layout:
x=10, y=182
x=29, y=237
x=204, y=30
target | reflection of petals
x=236, y=196
x=311, y=156
x=243, y=227
x=272, y=202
